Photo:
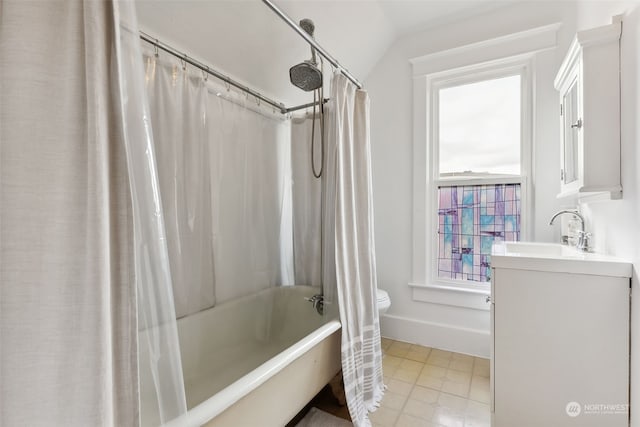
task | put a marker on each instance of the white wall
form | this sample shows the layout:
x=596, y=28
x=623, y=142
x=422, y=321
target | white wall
x=390, y=86
x=248, y=42
x=615, y=224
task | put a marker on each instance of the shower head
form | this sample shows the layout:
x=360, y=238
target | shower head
x=308, y=26
x=306, y=75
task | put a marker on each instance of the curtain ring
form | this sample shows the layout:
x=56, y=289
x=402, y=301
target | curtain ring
x=156, y=53
x=205, y=74
x=227, y=85
x=184, y=64
x=257, y=100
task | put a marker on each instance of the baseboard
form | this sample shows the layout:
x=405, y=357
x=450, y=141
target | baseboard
x=445, y=337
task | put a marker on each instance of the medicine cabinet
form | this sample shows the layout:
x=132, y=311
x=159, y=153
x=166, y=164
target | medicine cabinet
x=589, y=85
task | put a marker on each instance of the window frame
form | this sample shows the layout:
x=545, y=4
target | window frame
x=506, y=49
x=435, y=82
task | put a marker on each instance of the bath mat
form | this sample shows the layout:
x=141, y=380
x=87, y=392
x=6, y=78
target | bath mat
x=318, y=418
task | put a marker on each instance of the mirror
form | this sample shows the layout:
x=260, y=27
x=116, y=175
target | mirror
x=572, y=125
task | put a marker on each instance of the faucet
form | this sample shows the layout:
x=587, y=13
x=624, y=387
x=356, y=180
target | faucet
x=318, y=302
x=583, y=237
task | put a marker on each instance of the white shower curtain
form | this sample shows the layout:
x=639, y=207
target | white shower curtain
x=355, y=273
x=67, y=276
x=250, y=155
x=80, y=228
x=177, y=100
x=224, y=166
x=307, y=206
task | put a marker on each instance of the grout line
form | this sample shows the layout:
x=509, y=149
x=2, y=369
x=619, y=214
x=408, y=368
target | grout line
x=404, y=405
x=473, y=368
x=414, y=384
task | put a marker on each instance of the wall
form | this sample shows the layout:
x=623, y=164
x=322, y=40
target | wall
x=248, y=42
x=390, y=86
x=615, y=224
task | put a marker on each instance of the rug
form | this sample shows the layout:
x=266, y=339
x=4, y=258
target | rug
x=318, y=418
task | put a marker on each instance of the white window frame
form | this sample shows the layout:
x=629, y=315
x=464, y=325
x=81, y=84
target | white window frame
x=508, y=55
x=468, y=75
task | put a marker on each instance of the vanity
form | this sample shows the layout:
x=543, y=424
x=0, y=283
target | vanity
x=560, y=337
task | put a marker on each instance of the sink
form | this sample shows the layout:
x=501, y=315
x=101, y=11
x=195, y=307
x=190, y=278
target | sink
x=540, y=249
x=555, y=257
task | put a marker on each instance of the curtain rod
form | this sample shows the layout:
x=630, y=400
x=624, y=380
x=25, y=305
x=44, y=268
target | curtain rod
x=312, y=42
x=170, y=50
x=303, y=106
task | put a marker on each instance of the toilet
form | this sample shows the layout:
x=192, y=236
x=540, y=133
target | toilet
x=384, y=302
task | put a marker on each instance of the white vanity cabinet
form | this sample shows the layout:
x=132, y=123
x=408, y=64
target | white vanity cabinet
x=589, y=85
x=560, y=335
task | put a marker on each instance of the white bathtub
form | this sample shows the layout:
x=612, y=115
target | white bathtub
x=238, y=356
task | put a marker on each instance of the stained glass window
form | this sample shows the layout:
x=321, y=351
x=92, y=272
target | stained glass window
x=470, y=219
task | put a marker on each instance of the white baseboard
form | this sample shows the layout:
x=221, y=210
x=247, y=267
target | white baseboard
x=445, y=337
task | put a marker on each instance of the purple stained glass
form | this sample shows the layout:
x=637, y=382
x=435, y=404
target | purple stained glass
x=470, y=219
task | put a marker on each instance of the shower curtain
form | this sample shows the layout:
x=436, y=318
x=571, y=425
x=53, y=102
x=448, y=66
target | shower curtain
x=224, y=167
x=83, y=262
x=250, y=159
x=178, y=104
x=349, y=220
x=307, y=203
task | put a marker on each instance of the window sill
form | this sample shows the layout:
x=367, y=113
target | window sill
x=453, y=295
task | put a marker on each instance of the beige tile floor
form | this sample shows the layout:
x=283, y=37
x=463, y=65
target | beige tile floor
x=432, y=388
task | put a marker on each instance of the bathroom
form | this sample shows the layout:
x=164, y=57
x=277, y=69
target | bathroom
x=169, y=256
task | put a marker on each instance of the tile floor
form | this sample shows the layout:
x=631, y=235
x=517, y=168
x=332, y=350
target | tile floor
x=426, y=388
x=432, y=388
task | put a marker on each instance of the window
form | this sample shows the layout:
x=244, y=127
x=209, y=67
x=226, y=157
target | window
x=479, y=127
x=478, y=153
x=477, y=172
x=472, y=138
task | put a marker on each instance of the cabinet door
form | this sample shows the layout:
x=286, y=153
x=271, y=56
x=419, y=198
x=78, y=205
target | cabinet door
x=559, y=338
x=572, y=124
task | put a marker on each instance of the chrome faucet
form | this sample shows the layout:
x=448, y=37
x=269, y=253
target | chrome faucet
x=318, y=302
x=583, y=237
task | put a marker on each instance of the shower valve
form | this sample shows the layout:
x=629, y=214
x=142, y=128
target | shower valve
x=314, y=300
x=317, y=301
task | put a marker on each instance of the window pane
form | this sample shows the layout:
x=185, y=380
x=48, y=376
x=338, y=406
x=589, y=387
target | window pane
x=470, y=219
x=479, y=127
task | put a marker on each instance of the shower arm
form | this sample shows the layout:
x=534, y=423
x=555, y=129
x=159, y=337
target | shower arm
x=314, y=44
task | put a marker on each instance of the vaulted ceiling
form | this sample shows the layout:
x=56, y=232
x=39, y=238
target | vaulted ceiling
x=246, y=40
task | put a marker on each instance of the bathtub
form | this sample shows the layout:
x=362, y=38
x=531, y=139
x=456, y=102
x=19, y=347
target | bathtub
x=256, y=360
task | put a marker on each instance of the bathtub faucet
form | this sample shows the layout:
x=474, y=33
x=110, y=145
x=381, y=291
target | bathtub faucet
x=318, y=302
